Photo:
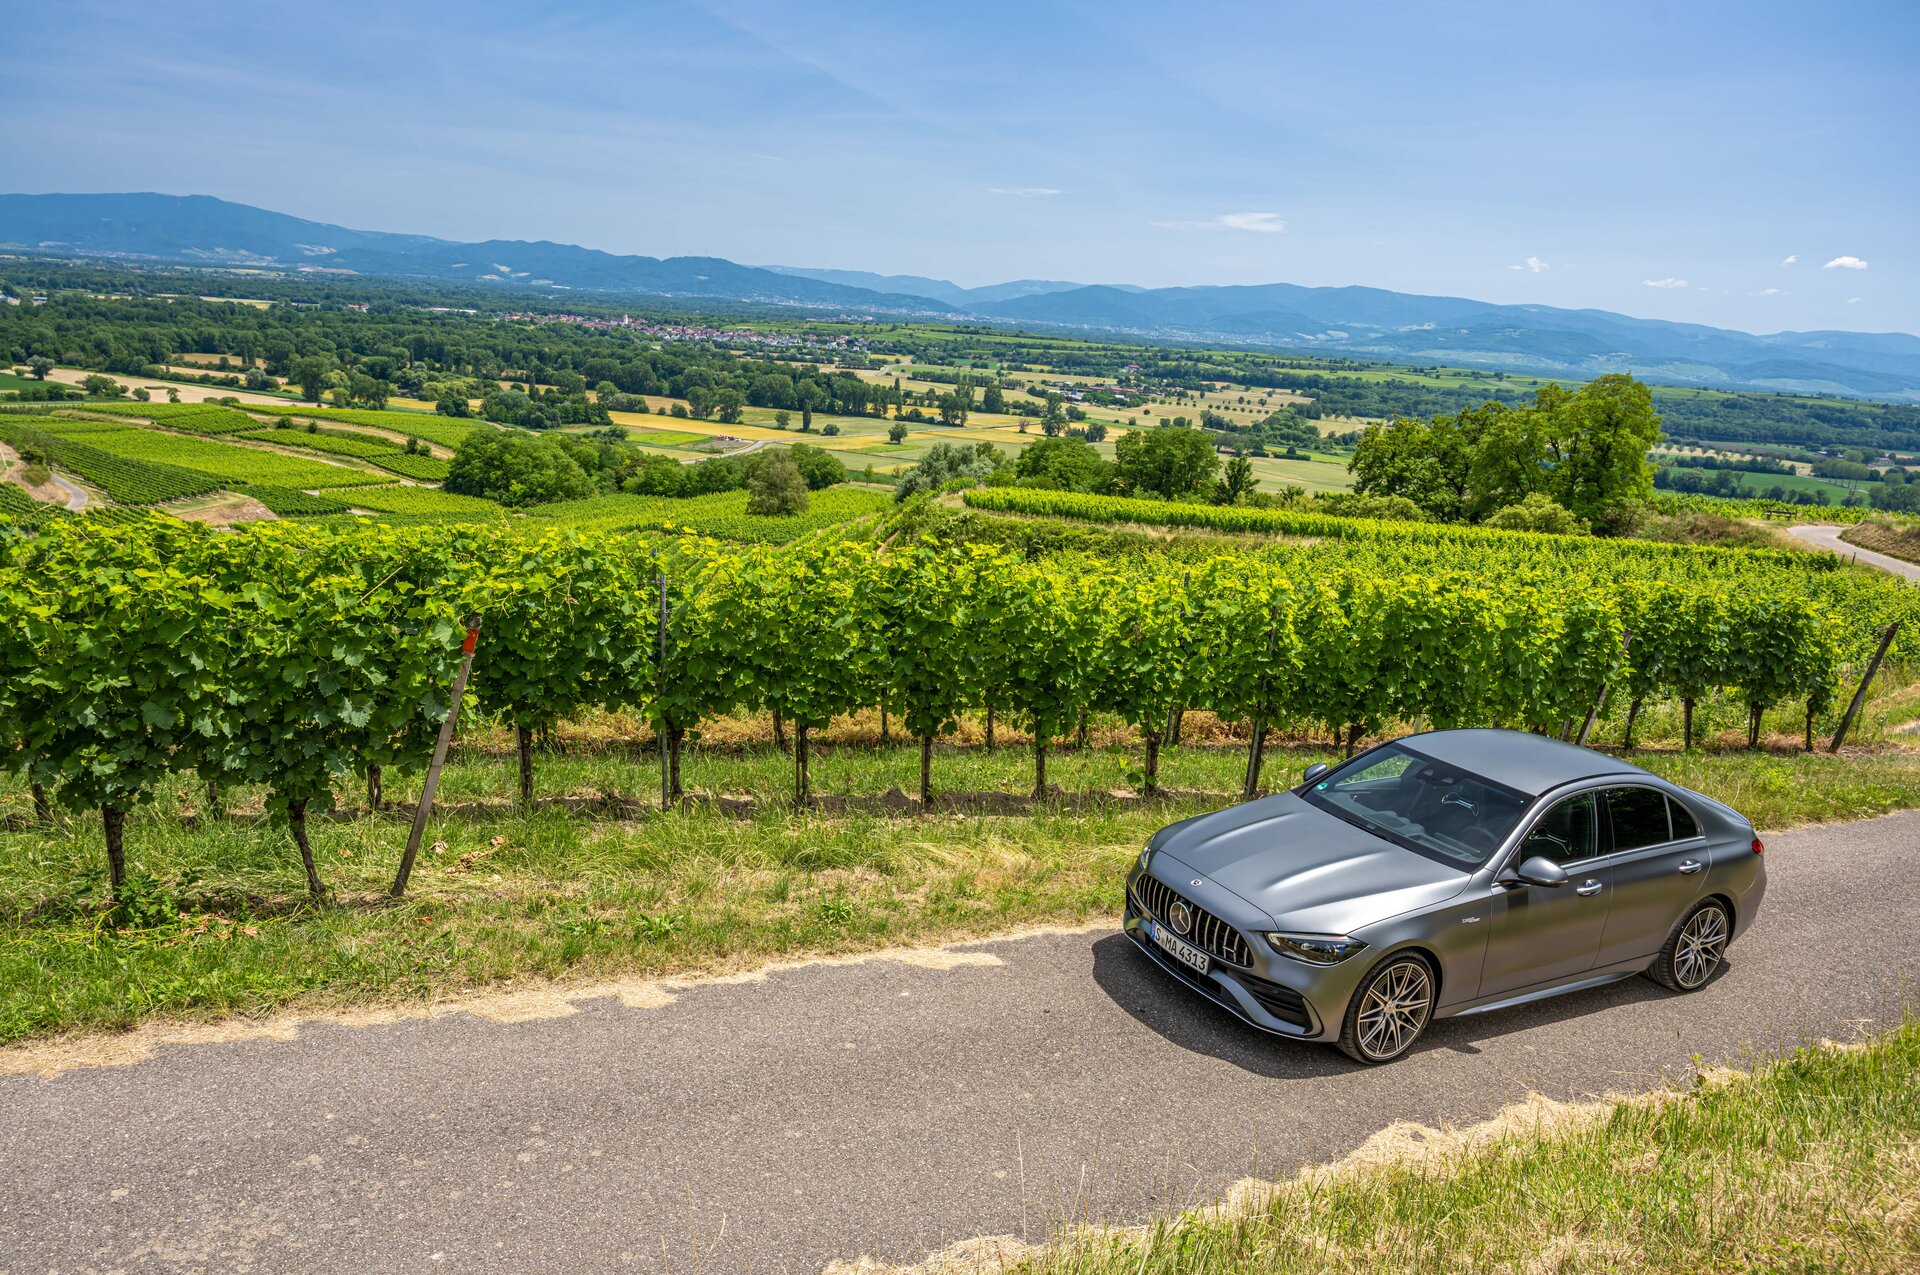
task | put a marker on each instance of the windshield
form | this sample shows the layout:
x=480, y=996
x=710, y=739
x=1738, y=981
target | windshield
x=1440, y=810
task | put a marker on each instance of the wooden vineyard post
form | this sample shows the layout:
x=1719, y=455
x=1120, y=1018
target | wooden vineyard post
x=425, y=809
x=1257, y=746
x=1593, y=715
x=1860, y=695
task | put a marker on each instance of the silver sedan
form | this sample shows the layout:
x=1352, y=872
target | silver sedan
x=1447, y=873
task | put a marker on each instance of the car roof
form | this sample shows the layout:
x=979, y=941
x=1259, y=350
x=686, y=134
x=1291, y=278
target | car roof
x=1527, y=763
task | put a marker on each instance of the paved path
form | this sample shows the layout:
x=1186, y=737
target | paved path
x=76, y=494
x=1828, y=537
x=832, y=1110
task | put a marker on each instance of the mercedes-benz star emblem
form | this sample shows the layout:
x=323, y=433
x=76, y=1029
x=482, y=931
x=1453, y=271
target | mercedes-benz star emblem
x=1179, y=917
x=1196, y=881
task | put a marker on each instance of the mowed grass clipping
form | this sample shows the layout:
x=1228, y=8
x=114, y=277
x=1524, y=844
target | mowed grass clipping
x=1810, y=1163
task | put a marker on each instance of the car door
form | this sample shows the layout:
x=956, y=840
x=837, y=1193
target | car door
x=1549, y=934
x=1658, y=862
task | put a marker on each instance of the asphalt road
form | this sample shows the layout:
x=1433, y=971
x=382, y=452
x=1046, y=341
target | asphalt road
x=841, y=1109
x=1828, y=537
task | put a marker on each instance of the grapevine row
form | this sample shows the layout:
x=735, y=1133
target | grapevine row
x=297, y=657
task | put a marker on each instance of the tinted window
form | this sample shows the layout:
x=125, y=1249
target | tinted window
x=1564, y=834
x=1683, y=822
x=1639, y=817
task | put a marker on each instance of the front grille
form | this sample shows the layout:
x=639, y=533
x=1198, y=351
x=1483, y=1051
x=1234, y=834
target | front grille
x=1209, y=932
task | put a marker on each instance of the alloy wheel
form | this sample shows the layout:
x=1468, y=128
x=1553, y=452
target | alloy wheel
x=1394, y=1009
x=1703, y=941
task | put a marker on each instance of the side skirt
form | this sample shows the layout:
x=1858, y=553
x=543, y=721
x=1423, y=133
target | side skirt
x=1614, y=975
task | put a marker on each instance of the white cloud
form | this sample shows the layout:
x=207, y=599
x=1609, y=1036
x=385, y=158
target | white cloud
x=1765, y=292
x=1790, y=260
x=1855, y=300
x=1845, y=263
x=1265, y=223
x=1663, y=283
x=1025, y=192
x=1532, y=265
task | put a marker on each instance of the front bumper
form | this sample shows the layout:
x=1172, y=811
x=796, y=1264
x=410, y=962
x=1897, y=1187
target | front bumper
x=1271, y=992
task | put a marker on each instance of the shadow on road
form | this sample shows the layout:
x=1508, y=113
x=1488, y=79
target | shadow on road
x=1188, y=1019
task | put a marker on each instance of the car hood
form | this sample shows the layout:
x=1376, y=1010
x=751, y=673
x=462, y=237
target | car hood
x=1308, y=870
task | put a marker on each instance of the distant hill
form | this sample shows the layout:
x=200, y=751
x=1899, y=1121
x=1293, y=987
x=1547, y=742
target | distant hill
x=1362, y=322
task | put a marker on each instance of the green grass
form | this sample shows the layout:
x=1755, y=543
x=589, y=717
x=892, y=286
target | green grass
x=1810, y=1163
x=579, y=889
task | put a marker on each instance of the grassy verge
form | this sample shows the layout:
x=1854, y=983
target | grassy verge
x=1897, y=540
x=1811, y=1163
x=595, y=883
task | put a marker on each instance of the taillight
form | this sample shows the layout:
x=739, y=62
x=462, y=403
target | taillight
x=1759, y=846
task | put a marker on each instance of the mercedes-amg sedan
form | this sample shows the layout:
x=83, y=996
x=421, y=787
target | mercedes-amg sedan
x=1440, y=874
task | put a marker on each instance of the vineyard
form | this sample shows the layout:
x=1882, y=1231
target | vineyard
x=297, y=657
x=720, y=514
x=128, y=481
x=400, y=499
x=444, y=430
x=189, y=418
x=359, y=446
x=426, y=469
x=221, y=461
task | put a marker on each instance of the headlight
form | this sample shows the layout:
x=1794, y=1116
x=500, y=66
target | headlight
x=1315, y=949
x=1144, y=856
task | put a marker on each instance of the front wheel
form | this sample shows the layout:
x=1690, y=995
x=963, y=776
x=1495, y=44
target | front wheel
x=1695, y=948
x=1389, y=1010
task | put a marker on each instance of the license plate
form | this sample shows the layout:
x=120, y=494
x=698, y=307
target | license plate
x=1186, y=953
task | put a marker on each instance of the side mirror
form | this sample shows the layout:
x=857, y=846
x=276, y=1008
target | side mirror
x=1314, y=771
x=1540, y=870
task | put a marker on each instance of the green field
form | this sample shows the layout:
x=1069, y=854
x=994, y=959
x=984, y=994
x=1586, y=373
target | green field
x=722, y=514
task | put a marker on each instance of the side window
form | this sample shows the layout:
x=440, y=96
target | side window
x=1564, y=834
x=1639, y=817
x=1684, y=825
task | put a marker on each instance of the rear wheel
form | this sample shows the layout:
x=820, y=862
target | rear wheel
x=1389, y=1010
x=1695, y=948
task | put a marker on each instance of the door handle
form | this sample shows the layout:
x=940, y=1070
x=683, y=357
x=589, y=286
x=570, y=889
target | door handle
x=1588, y=888
x=1691, y=866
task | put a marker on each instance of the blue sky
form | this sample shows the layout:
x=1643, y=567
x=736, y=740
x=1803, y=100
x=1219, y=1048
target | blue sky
x=1700, y=162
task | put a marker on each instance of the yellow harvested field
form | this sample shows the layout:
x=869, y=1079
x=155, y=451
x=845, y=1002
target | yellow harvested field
x=188, y=393
x=203, y=362
x=713, y=429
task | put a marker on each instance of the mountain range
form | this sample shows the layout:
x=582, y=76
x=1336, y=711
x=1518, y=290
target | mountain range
x=1368, y=323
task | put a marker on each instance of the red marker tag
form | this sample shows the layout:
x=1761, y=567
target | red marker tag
x=473, y=640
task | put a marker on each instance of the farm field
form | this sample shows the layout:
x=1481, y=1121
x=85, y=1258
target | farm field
x=226, y=461
x=398, y=498
x=189, y=393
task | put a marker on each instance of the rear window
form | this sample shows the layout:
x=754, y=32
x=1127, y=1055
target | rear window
x=1684, y=825
x=1639, y=817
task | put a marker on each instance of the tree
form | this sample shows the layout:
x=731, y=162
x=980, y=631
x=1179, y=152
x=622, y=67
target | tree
x=950, y=462
x=39, y=365
x=776, y=487
x=518, y=469
x=1168, y=464
x=1236, y=480
x=1598, y=444
x=313, y=375
x=97, y=386
x=1538, y=512
x=1066, y=464
x=782, y=419
x=897, y=432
